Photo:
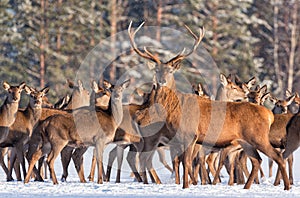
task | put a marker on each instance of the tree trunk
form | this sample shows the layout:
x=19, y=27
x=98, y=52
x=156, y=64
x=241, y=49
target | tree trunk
x=42, y=45
x=58, y=35
x=276, y=47
x=293, y=47
x=113, y=31
x=159, y=16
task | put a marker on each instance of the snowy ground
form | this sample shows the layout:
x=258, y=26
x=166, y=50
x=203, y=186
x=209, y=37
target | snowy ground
x=129, y=188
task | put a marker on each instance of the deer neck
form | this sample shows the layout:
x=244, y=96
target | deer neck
x=221, y=94
x=8, y=113
x=168, y=99
x=33, y=114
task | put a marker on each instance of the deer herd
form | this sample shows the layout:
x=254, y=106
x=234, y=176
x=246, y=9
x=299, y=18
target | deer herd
x=201, y=133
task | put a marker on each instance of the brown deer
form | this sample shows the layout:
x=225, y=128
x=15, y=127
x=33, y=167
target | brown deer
x=8, y=112
x=193, y=127
x=58, y=131
x=127, y=125
x=9, y=108
x=278, y=132
x=97, y=100
x=80, y=97
x=257, y=96
x=20, y=131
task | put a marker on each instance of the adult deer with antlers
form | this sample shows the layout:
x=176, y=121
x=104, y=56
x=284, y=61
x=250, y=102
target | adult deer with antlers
x=192, y=119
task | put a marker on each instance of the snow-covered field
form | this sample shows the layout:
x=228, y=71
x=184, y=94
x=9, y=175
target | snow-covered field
x=129, y=188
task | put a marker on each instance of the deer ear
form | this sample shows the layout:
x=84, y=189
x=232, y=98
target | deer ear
x=139, y=92
x=107, y=85
x=264, y=98
x=70, y=83
x=251, y=82
x=80, y=86
x=237, y=80
x=273, y=99
x=95, y=86
x=151, y=65
x=125, y=84
x=288, y=93
x=245, y=88
x=28, y=90
x=22, y=85
x=45, y=90
x=290, y=100
x=6, y=86
x=263, y=89
x=224, y=80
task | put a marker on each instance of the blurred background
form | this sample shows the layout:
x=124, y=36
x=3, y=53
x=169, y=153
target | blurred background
x=43, y=42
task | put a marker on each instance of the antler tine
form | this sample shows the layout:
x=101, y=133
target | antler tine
x=197, y=39
x=146, y=55
x=181, y=55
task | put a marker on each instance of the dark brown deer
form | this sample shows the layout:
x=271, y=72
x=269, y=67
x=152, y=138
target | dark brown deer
x=21, y=130
x=59, y=131
x=190, y=127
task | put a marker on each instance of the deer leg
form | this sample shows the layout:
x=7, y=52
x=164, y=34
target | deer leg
x=239, y=163
x=143, y=159
x=33, y=159
x=13, y=164
x=211, y=160
x=66, y=155
x=93, y=166
x=111, y=158
x=3, y=151
x=41, y=170
x=271, y=152
x=77, y=158
x=222, y=159
x=196, y=169
x=120, y=153
x=57, y=147
x=152, y=172
x=203, y=173
x=187, y=162
x=162, y=158
x=99, y=156
x=290, y=160
x=270, y=167
x=232, y=167
x=131, y=159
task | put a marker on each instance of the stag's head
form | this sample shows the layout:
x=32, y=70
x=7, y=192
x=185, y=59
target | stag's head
x=36, y=97
x=164, y=70
x=14, y=92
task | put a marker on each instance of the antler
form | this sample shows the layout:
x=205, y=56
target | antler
x=145, y=54
x=198, y=39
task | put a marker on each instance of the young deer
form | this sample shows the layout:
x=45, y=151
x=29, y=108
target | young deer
x=21, y=130
x=58, y=131
x=187, y=129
